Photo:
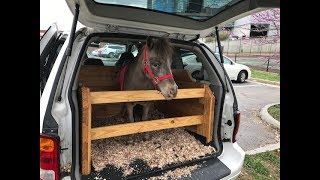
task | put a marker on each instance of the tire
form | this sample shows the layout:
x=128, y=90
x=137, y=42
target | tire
x=242, y=76
x=111, y=55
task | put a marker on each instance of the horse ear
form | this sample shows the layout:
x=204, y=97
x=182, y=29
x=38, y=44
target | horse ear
x=149, y=42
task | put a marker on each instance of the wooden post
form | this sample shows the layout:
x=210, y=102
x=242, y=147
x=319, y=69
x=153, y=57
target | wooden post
x=208, y=114
x=144, y=126
x=86, y=131
x=141, y=95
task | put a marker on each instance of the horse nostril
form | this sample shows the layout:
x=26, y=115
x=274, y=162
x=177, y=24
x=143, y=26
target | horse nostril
x=173, y=91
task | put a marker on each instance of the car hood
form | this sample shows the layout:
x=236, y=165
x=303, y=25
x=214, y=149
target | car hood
x=128, y=17
x=242, y=66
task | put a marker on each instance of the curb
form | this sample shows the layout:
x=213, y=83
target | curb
x=264, y=115
x=265, y=81
x=269, y=147
x=264, y=84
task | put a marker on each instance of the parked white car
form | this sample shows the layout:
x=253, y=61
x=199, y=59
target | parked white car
x=109, y=50
x=236, y=72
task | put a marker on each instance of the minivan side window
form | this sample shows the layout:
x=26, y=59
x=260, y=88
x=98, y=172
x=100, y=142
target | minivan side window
x=192, y=64
x=134, y=50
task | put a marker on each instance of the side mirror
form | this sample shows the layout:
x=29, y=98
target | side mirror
x=184, y=65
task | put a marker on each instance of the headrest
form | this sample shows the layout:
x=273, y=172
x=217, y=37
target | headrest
x=93, y=61
x=124, y=58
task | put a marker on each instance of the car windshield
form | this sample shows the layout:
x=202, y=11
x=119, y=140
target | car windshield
x=200, y=10
x=225, y=59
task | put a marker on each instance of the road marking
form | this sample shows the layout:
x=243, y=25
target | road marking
x=255, y=84
x=271, y=85
x=269, y=147
x=249, y=85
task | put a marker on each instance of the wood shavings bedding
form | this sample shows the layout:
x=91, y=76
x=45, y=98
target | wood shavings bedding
x=161, y=148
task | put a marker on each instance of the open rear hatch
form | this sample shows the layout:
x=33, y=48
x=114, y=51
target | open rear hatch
x=182, y=19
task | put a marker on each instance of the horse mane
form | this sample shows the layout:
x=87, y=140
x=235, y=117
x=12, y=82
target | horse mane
x=162, y=47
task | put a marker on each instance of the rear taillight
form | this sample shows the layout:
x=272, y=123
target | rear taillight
x=236, y=126
x=49, y=157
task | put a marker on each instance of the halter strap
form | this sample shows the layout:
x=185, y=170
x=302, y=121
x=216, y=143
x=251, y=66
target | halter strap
x=147, y=69
x=121, y=77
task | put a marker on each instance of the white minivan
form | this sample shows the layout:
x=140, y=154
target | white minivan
x=64, y=54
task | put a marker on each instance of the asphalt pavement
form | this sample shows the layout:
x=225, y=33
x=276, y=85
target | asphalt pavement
x=253, y=132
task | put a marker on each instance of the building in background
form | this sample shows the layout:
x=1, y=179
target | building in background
x=261, y=24
x=244, y=27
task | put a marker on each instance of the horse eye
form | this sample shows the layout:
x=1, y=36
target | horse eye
x=155, y=65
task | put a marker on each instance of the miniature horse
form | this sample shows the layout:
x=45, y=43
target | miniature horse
x=150, y=70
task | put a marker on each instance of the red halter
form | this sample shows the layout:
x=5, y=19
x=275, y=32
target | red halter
x=147, y=69
x=121, y=77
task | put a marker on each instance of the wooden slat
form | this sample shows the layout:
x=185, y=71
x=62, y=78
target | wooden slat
x=188, y=85
x=208, y=114
x=180, y=107
x=145, y=126
x=182, y=75
x=101, y=111
x=104, y=88
x=141, y=95
x=86, y=127
x=99, y=77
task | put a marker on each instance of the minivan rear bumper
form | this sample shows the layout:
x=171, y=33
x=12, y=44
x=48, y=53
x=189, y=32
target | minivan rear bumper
x=227, y=166
x=233, y=157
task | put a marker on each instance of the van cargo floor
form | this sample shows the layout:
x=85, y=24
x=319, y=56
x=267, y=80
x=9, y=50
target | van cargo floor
x=126, y=156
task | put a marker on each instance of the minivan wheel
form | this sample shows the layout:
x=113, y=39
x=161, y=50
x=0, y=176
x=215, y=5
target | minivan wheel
x=242, y=76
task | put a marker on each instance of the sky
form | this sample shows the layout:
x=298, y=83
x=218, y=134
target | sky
x=56, y=11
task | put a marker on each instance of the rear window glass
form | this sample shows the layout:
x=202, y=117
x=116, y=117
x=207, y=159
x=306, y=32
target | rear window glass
x=116, y=47
x=192, y=64
x=200, y=10
x=108, y=54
